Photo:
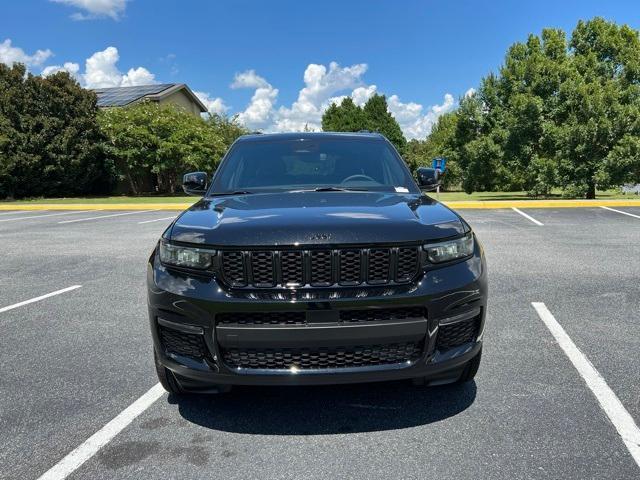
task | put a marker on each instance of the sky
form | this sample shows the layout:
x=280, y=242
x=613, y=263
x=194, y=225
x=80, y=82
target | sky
x=278, y=64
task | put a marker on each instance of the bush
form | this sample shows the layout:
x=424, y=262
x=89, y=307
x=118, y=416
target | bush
x=50, y=141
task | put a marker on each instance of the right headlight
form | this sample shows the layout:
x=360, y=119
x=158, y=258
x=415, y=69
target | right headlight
x=450, y=250
x=186, y=257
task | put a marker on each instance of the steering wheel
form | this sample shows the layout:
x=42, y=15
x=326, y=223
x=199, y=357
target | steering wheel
x=358, y=176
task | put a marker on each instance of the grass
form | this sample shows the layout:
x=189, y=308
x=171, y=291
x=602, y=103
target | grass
x=556, y=195
x=444, y=196
x=109, y=200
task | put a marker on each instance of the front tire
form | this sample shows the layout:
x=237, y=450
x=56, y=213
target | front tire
x=470, y=369
x=166, y=377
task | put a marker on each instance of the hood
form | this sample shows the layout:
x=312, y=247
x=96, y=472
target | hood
x=315, y=218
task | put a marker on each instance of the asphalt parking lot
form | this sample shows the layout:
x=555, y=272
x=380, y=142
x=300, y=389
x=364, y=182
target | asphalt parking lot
x=74, y=361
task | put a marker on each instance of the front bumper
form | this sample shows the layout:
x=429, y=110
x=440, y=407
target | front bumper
x=185, y=306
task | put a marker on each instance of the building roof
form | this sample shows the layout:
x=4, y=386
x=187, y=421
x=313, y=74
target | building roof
x=121, y=96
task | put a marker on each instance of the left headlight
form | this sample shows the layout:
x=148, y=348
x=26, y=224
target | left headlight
x=186, y=257
x=450, y=250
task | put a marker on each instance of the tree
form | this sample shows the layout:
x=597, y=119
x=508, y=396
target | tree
x=374, y=116
x=227, y=129
x=379, y=119
x=558, y=114
x=163, y=141
x=347, y=117
x=50, y=141
x=439, y=143
x=601, y=103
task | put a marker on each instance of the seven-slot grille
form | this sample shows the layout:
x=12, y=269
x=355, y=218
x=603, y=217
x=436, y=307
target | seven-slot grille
x=319, y=268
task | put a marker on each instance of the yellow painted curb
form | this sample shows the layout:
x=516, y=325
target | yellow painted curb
x=95, y=206
x=541, y=203
x=465, y=204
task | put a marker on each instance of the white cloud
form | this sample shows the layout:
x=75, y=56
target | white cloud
x=10, y=55
x=321, y=85
x=361, y=94
x=214, y=105
x=138, y=76
x=248, y=79
x=259, y=113
x=96, y=8
x=72, y=68
x=412, y=121
x=470, y=92
x=101, y=71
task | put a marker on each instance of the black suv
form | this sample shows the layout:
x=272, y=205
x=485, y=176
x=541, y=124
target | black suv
x=314, y=258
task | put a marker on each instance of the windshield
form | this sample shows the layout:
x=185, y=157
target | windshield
x=313, y=163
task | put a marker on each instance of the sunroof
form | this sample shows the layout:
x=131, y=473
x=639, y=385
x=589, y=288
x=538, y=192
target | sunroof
x=119, y=96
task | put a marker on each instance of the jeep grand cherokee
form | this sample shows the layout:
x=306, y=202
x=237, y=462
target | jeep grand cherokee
x=315, y=258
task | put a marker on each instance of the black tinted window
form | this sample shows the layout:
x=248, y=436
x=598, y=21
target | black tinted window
x=367, y=164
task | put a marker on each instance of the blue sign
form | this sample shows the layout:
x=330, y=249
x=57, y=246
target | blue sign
x=439, y=163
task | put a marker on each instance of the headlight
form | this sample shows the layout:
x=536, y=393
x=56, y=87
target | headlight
x=450, y=250
x=187, y=257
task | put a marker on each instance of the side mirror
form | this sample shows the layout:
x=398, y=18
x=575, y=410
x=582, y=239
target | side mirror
x=195, y=183
x=428, y=178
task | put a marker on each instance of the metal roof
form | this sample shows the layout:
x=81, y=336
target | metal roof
x=121, y=96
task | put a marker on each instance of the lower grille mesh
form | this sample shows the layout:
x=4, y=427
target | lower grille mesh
x=321, y=358
x=186, y=344
x=381, y=314
x=266, y=318
x=457, y=333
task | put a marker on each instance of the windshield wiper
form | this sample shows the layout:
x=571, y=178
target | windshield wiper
x=333, y=189
x=236, y=192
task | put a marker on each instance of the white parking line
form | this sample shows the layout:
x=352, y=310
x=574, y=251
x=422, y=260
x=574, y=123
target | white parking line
x=18, y=211
x=108, y=216
x=620, y=211
x=95, y=442
x=609, y=402
x=41, y=216
x=156, y=220
x=529, y=217
x=37, y=299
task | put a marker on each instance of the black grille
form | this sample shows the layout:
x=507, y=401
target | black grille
x=350, y=273
x=382, y=314
x=407, y=264
x=262, y=269
x=233, y=268
x=457, y=333
x=291, y=268
x=187, y=344
x=379, y=266
x=319, y=358
x=320, y=268
x=270, y=318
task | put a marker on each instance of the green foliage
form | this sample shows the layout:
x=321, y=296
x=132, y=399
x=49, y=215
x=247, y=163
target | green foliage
x=379, y=119
x=50, y=142
x=420, y=153
x=374, y=116
x=347, y=117
x=559, y=114
x=163, y=141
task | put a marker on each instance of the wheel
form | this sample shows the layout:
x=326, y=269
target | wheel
x=470, y=369
x=166, y=377
x=170, y=383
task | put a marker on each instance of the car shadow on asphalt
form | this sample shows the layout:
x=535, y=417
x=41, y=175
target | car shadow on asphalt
x=324, y=410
